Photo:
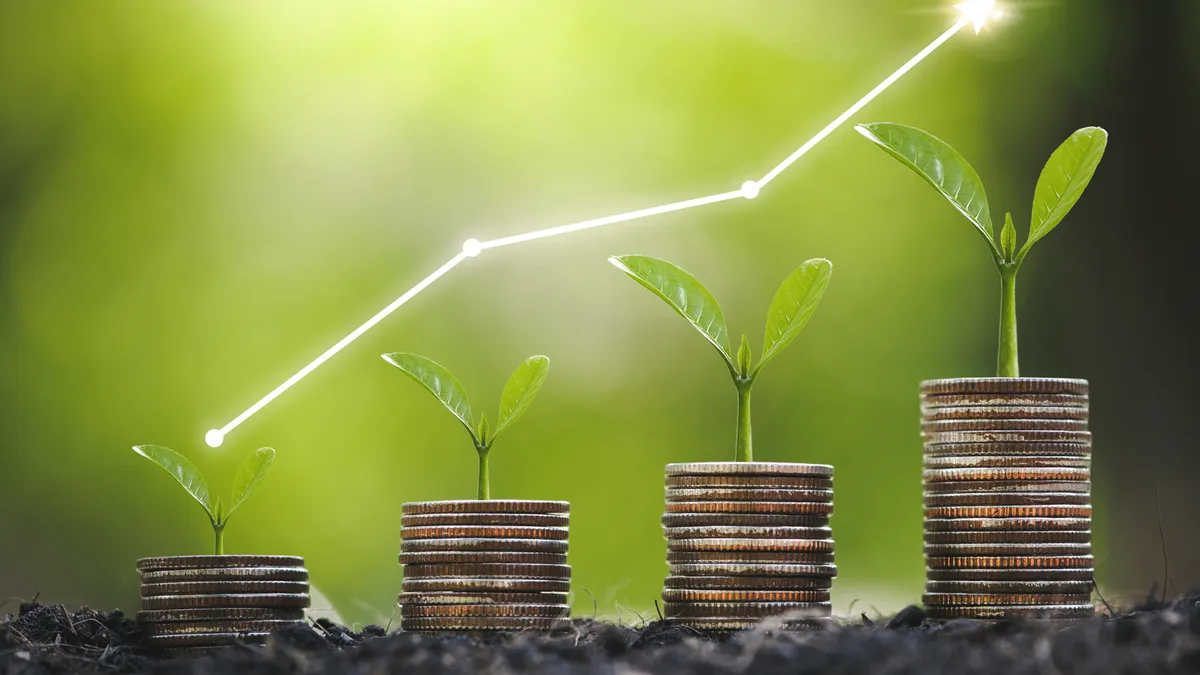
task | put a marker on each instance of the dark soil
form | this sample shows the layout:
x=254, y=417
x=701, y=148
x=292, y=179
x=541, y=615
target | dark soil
x=1153, y=638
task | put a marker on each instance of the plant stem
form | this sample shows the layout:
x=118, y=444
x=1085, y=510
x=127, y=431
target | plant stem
x=219, y=537
x=484, y=487
x=1007, y=364
x=745, y=445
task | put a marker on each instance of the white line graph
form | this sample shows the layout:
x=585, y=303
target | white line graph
x=973, y=12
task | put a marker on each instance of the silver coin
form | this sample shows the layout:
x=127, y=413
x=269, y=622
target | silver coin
x=750, y=468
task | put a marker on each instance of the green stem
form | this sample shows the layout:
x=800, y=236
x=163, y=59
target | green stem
x=745, y=445
x=1007, y=364
x=219, y=539
x=484, y=487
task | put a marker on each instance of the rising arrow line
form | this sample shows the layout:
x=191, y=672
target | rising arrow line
x=973, y=12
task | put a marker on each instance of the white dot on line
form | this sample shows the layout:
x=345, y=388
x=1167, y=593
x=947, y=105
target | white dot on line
x=214, y=438
x=471, y=248
x=750, y=189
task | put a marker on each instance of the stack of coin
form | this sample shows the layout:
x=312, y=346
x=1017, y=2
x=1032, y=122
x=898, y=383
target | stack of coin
x=1008, y=513
x=747, y=541
x=485, y=565
x=194, y=603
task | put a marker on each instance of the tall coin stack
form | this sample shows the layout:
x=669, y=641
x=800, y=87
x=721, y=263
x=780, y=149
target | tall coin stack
x=747, y=541
x=1008, y=514
x=194, y=603
x=485, y=565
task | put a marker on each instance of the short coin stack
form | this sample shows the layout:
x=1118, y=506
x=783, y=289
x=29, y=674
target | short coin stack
x=194, y=603
x=1008, y=513
x=485, y=565
x=747, y=541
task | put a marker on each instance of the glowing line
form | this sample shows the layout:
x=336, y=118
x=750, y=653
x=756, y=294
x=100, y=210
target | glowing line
x=473, y=247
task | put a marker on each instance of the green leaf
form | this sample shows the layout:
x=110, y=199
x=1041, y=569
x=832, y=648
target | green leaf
x=940, y=165
x=1008, y=238
x=684, y=293
x=250, y=477
x=520, y=391
x=794, y=304
x=484, y=433
x=437, y=381
x=743, y=356
x=181, y=470
x=1063, y=180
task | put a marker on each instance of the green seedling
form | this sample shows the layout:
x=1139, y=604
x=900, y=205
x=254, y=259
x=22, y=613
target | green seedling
x=518, y=394
x=249, y=479
x=794, y=304
x=1062, y=182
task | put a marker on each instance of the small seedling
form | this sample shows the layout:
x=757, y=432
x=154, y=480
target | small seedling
x=794, y=304
x=519, y=392
x=1062, y=182
x=249, y=479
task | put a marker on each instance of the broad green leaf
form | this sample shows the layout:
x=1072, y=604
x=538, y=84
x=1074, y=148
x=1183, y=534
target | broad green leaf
x=250, y=477
x=940, y=165
x=520, y=390
x=1008, y=238
x=1063, y=180
x=684, y=293
x=793, y=306
x=437, y=381
x=181, y=470
x=744, y=357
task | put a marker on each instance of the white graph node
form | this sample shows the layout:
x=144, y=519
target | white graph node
x=472, y=248
x=750, y=189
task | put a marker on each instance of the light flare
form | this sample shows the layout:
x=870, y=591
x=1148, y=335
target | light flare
x=978, y=12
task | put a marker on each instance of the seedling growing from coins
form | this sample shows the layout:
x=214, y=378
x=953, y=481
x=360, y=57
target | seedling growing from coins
x=794, y=304
x=518, y=394
x=249, y=478
x=1062, y=182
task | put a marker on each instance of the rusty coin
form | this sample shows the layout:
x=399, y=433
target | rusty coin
x=802, y=557
x=753, y=570
x=747, y=583
x=1008, y=575
x=1004, y=385
x=682, y=520
x=1007, y=499
x=1006, y=486
x=1007, y=462
x=484, y=544
x=1008, y=474
x=813, y=545
x=486, y=610
x=487, y=584
x=748, y=532
x=458, y=557
x=741, y=610
x=1009, y=537
x=226, y=561
x=747, y=495
x=484, y=532
x=750, y=481
x=725, y=596
x=1009, y=512
x=507, y=506
x=1021, y=524
x=792, y=508
x=1042, y=548
x=473, y=570
x=1011, y=562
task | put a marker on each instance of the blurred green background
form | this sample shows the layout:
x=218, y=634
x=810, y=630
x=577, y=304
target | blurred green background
x=196, y=198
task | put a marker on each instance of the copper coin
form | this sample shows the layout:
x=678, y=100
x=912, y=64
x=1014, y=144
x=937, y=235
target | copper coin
x=224, y=587
x=740, y=610
x=967, y=486
x=441, y=624
x=226, y=600
x=803, y=557
x=1009, y=512
x=728, y=583
x=1011, y=562
x=488, y=584
x=1004, y=385
x=994, y=474
x=1004, y=400
x=722, y=596
x=681, y=520
x=1008, y=499
x=237, y=574
x=484, y=544
x=935, y=411
x=813, y=545
x=205, y=561
x=791, y=508
x=947, y=426
x=750, y=468
x=203, y=627
x=750, y=481
x=484, y=532
x=486, y=610
x=1006, y=437
x=457, y=557
x=1043, y=548
x=747, y=495
x=1007, y=462
x=462, y=598
x=748, y=532
x=1048, y=449
x=1083, y=588
x=487, y=519
x=1010, y=575
x=1080, y=611
x=206, y=639
x=1009, y=537
x=1014, y=524
x=508, y=506
x=222, y=614
x=471, y=570
x=753, y=570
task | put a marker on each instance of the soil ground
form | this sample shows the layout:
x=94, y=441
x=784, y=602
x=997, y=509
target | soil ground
x=1152, y=638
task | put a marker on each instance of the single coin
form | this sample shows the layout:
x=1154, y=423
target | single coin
x=943, y=438
x=441, y=624
x=1011, y=474
x=747, y=495
x=1081, y=611
x=1026, y=537
x=486, y=584
x=1006, y=486
x=484, y=532
x=202, y=627
x=487, y=519
x=747, y=583
x=1004, y=400
x=1037, y=587
x=753, y=570
x=1048, y=449
x=740, y=610
x=791, y=508
x=483, y=544
x=203, y=561
x=1043, y=548
x=722, y=596
x=473, y=570
x=205, y=639
x=750, y=468
x=1011, y=562
x=225, y=600
x=224, y=587
x=538, y=611
x=934, y=411
x=1009, y=512
x=817, y=617
x=1007, y=462
x=748, y=532
x=458, y=557
x=509, y=506
x=792, y=557
x=1004, y=385
x=464, y=598
x=813, y=545
x=1008, y=524
x=1022, y=424
x=221, y=614
x=236, y=574
x=1009, y=575
x=750, y=481
x=682, y=520
x=1008, y=499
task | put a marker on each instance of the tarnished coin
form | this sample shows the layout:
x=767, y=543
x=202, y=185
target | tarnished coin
x=508, y=506
x=1006, y=598
x=474, y=570
x=487, y=519
x=486, y=610
x=1008, y=524
x=681, y=520
x=1004, y=385
x=753, y=570
x=1037, y=548
x=791, y=557
x=484, y=544
x=206, y=639
x=463, y=598
x=1047, y=449
x=1021, y=424
x=740, y=610
x=748, y=583
x=441, y=624
x=1008, y=474
x=750, y=481
x=225, y=600
x=1011, y=562
x=235, y=574
x=747, y=495
x=943, y=438
x=1009, y=512
x=748, y=532
x=936, y=411
x=226, y=561
x=1008, y=575
x=1007, y=462
x=483, y=532
x=488, y=584
x=1037, y=587
x=1007, y=499
x=1080, y=611
x=458, y=557
x=750, y=468
x=1006, y=486
x=813, y=545
x=224, y=587
x=208, y=627
x=1028, y=537
x=796, y=508
x=222, y=614
x=1004, y=400
x=722, y=596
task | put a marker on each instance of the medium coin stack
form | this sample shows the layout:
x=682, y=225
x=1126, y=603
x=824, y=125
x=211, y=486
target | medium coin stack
x=194, y=603
x=1008, y=512
x=747, y=541
x=485, y=565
